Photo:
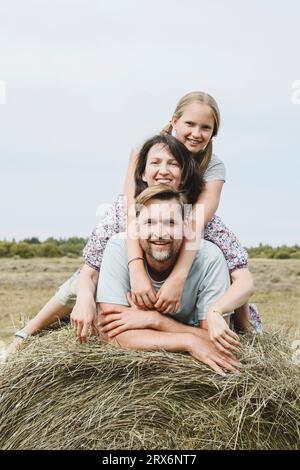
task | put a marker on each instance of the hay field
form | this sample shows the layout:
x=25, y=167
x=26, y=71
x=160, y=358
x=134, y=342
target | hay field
x=25, y=285
x=57, y=394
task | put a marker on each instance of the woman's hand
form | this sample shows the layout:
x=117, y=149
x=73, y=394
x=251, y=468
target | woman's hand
x=205, y=351
x=143, y=293
x=169, y=295
x=220, y=334
x=83, y=317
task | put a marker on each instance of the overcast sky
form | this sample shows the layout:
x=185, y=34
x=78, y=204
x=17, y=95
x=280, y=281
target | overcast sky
x=84, y=81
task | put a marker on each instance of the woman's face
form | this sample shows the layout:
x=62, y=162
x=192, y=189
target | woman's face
x=162, y=167
x=195, y=127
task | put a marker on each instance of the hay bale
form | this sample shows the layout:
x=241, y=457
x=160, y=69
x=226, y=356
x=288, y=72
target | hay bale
x=56, y=394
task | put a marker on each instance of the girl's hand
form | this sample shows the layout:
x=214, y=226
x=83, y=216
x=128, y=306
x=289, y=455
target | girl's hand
x=220, y=334
x=143, y=293
x=169, y=295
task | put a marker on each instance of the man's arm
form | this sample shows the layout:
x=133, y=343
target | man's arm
x=112, y=294
x=115, y=319
x=151, y=340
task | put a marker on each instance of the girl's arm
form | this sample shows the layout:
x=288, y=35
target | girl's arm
x=203, y=211
x=143, y=293
x=210, y=198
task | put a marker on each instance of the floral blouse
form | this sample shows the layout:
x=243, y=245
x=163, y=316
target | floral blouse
x=115, y=220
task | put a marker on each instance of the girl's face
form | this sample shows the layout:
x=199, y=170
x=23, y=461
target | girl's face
x=195, y=127
x=162, y=167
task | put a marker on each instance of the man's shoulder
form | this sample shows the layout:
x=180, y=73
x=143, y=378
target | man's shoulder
x=117, y=243
x=118, y=239
x=115, y=254
x=207, y=252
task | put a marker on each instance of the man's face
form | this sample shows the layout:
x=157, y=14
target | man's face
x=161, y=228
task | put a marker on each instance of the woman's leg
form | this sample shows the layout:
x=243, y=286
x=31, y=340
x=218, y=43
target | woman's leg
x=241, y=318
x=60, y=305
x=50, y=313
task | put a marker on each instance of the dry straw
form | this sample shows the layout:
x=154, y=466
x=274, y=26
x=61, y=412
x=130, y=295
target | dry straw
x=56, y=394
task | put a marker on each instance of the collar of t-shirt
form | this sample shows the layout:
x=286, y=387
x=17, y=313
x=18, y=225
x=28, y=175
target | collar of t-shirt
x=156, y=284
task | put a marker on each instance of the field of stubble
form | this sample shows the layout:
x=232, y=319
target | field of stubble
x=25, y=285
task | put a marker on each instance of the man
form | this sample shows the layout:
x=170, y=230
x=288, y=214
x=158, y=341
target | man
x=161, y=228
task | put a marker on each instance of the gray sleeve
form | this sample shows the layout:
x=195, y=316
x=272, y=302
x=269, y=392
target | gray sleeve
x=114, y=281
x=215, y=170
x=216, y=281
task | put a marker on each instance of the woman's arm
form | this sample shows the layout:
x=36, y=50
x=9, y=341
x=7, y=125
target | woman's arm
x=83, y=315
x=238, y=293
x=143, y=293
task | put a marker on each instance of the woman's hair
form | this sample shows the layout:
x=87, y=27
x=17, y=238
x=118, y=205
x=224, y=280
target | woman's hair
x=203, y=157
x=191, y=182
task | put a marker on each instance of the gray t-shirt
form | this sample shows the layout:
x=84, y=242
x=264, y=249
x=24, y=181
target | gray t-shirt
x=208, y=279
x=215, y=170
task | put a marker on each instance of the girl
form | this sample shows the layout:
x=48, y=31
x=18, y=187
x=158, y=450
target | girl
x=195, y=121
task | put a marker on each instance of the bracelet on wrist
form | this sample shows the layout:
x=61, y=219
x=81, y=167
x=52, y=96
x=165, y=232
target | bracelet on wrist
x=217, y=310
x=135, y=259
x=22, y=334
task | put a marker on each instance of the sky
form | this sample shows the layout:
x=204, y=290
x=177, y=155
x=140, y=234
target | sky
x=81, y=83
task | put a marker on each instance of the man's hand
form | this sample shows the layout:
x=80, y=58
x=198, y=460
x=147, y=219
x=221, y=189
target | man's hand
x=83, y=317
x=113, y=323
x=169, y=295
x=205, y=351
x=220, y=334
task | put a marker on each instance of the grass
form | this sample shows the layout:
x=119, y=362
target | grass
x=26, y=285
x=56, y=394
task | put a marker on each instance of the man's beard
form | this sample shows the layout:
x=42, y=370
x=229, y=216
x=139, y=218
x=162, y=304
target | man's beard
x=160, y=255
x=170, y=250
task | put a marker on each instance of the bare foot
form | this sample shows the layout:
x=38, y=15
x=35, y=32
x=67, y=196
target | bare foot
x=3, y=353
x=14, y=346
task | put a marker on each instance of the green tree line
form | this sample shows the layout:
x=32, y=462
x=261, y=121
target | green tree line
x=50, y=248
x=72, y=247
x=279, y=252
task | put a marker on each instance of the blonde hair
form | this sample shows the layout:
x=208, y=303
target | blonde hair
x=162, y=192
x=202, y=98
